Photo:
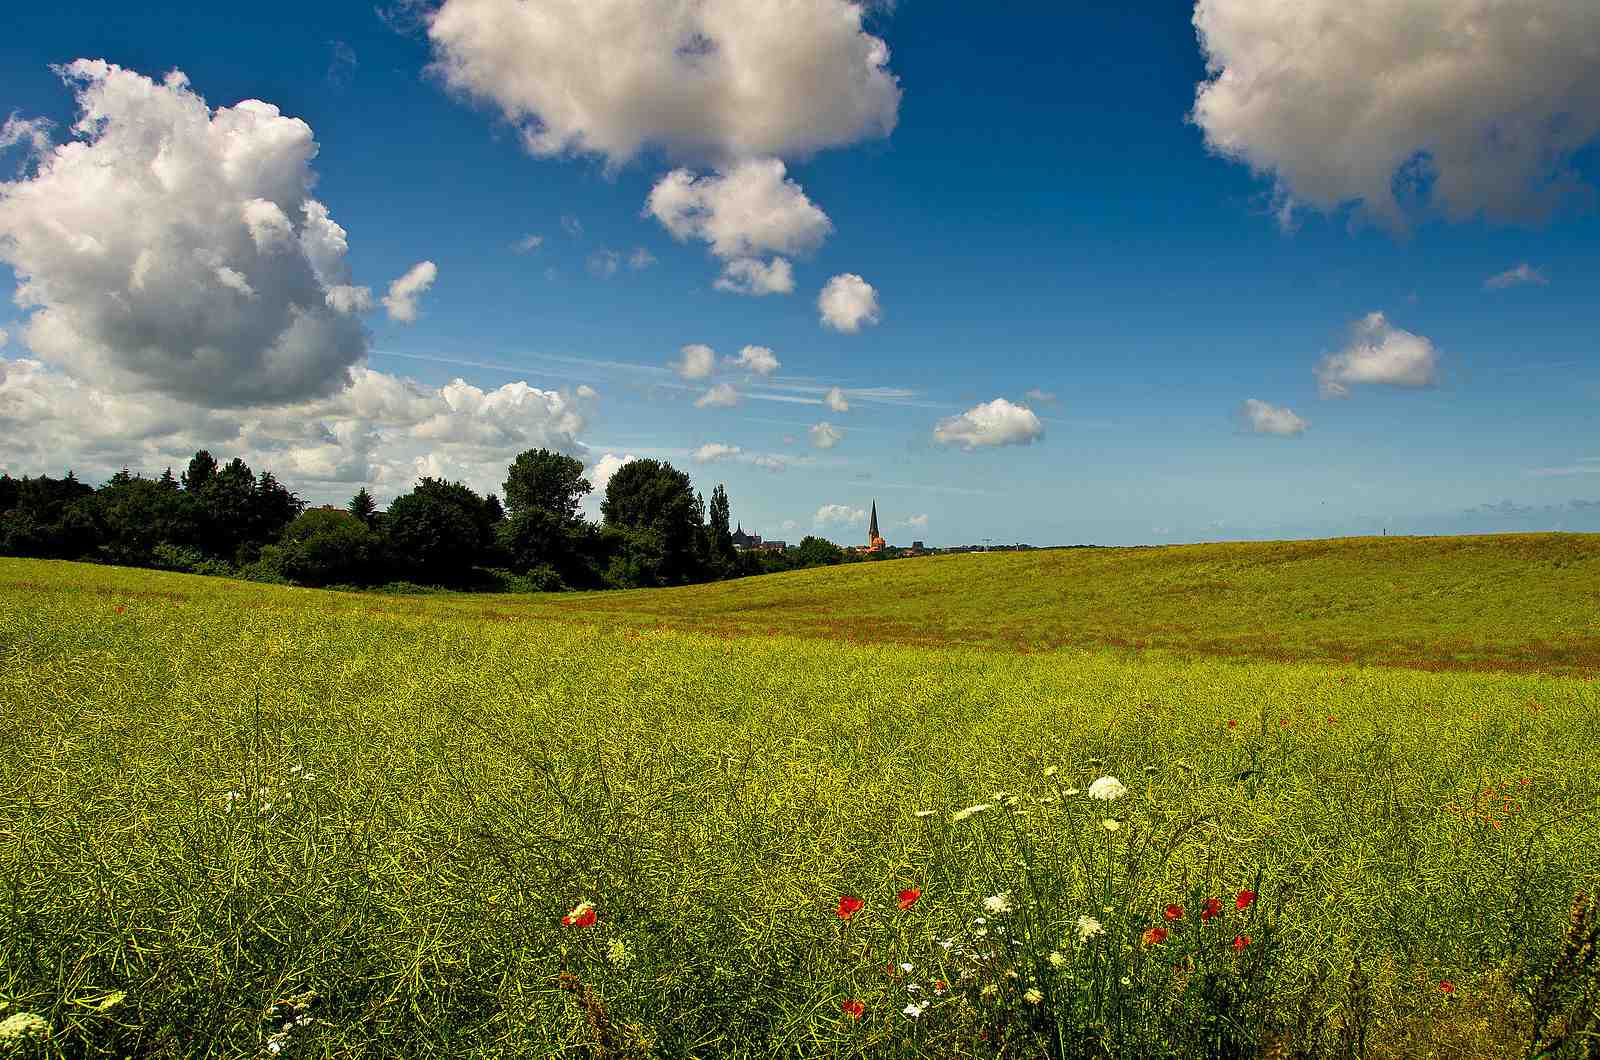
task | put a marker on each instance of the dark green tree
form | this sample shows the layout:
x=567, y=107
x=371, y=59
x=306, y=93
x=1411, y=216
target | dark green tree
x=818, y=552
x=329, y=547
x=542, y=527
x=363, y=507
x=550, y=481
x=654, y=496
x=721, y=536
x=201, y=469
x=439, y=531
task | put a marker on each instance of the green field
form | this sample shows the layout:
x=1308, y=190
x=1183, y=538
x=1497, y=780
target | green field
x=220, y=801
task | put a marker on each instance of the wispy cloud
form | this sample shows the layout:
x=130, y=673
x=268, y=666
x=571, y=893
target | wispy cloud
x=1521, y=276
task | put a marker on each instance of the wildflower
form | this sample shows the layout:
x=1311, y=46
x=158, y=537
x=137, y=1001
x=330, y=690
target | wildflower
x=1240, y=942
x=1107, y=789
x=120, y=609
x=581, y=915
x=1446, y=986
x=1110, y=825
x=1072, y=791
x=1233, y=723
x=1088, y=928
x=1033, y=995
x=1213, y=907
x=999, y=903
x=970, y=811
x=989, y=991
x=907, y=967
x=1057, y=960
x=852, y=1008
x=849, y=906
x=617, y=953
x=923, y=813
x=1173, y=912
x=915, y=1009
x=908, y=898
x=22, y=1026
x=1051, y=771
x=940, y=986
x=1151, y=770
x=1244, y=899
x=1154, y=936
x=296, y=769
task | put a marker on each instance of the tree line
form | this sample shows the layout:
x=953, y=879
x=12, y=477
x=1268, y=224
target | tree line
x=654, y=530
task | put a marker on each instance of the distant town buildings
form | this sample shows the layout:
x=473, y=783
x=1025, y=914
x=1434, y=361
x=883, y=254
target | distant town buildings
x=743, y=542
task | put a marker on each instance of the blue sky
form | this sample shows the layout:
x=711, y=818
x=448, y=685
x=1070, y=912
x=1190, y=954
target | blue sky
x=1044, y=225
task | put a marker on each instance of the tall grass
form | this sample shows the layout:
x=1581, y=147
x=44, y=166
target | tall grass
x=223, y=813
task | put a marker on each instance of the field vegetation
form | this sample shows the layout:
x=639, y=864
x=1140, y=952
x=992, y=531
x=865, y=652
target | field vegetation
x=786, y=817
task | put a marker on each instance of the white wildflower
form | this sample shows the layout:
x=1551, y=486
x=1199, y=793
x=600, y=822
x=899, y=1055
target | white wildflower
x=1072, y=791
x=915, y=1009
x=1107, y=789
x=1033, y=995
x=23, y=1026
x=907, y=966
x=999, y=903
x=1110, y=825
x=1088, y=928
x=1051, y=771
x=970, y=811
x=296, y=769
x=1057, y=960
x=1150, y=769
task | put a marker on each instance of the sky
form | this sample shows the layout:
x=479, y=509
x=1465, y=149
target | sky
x=1062, y=274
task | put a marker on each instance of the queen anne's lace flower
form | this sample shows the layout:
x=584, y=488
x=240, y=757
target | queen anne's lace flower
x=962, y=815
x=1107, y=789
x=23, y=1026
x=1088, y=928
x=999, y=903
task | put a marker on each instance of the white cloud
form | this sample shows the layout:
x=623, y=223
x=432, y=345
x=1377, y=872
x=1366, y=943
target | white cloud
x=714, y=451
x=1263, y=418
x=5, y=337
x=746, y=211
x=608, y=465
x=825, y=435
x=640, y=259
x=790, y=524
x=527, y=244
x=1482, y=103
x=714, y=80
x=604, y=263
x=916, y=522
x=696, y=361
x=847, y=302
x=401, y=301
x=587, y=392
x=839, y=515
x=770, y=462
x=836, y=400
x=998, y=422
x=34, y=132
x=721, y=396
x=1378, y=352
x=177, y=249
x=1517, y=277
x=571, y=225
x=376, y=432
x=757, y=359
x=750, y=276
x=1044, y=397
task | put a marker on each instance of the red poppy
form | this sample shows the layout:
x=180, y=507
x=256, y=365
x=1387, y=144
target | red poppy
x=852, y=1008
x=1446, y=986
x=1330, y=719
x=1244, y=899
x=581, y=916
x=940, y=986
x=1240, y=942
x=848, y=907
x=908, y=898
x=1283, y=723
x=1233, y=723
x=1173, y=912
x=120, y=609
x=1154, y=936
x=1213, y=907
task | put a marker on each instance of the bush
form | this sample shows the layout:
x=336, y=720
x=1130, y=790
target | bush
x=325, y=546
x=181, y=558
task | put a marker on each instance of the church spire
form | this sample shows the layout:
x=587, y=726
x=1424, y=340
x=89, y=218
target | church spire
x=872, y=527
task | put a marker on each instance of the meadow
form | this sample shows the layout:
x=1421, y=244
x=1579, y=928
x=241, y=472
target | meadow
x=841, y=812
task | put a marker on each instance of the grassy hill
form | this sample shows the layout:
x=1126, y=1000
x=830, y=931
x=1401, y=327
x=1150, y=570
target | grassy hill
x=1506, y=602
x=223, y=804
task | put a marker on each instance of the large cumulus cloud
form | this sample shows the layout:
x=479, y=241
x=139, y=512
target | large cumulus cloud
x=1467, y=107
x=177, y=248
x=712, y=81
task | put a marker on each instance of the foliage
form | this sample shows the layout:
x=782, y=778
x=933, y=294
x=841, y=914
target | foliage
x=438, y=530
x=719, y=534
x=658, y=499
x=326, y=547
x=363, y=507
x=819, y=552
x=545, y=481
